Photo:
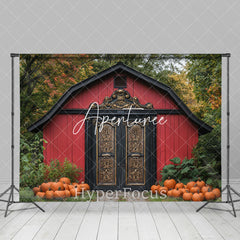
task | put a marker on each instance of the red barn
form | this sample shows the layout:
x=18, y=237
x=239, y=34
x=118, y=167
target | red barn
x=135, y=126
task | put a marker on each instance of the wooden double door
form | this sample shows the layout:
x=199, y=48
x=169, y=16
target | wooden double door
x=121, y=156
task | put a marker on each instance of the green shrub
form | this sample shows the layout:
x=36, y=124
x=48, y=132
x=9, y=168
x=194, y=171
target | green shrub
x=188, y=171
x=185, y=171
x=56, y=170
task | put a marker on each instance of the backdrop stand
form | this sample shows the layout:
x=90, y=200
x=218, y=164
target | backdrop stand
x=228, y=188
x=12, y=187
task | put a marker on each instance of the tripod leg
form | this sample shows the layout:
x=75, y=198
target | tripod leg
x=205, y=204
x=5, y=191
x=16, y=189
x=8, y=203
x=224, y=188
x=230, y=196
x=38, y=206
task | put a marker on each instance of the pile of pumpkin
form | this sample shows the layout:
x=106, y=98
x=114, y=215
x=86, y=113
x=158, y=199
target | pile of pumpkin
x=60, y=189
x=192, y=191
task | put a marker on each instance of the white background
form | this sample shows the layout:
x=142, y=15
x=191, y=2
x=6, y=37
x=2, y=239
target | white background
x=119, y=27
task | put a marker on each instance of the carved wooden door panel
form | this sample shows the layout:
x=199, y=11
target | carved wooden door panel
x=135, y=155
x=106, y=156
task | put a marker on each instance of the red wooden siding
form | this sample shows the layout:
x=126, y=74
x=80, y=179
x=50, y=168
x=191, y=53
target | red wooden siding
x=176, y=138
x=61, y=143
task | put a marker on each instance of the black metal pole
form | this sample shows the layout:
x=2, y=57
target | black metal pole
x=12, y=124
x=228, y=128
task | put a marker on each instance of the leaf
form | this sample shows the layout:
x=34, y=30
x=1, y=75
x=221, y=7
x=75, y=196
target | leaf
x=176, y=160
x=185, y=170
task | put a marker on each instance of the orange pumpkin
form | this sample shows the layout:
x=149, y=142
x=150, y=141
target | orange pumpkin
x=66, y=186
x=56, y=185
x=36, y=190
x=155, y=188
x=176, y=193
x=209, y=195
x=195, y=189
x=44, y=187
x=170, y=193
x=162, y=190
x=201, y=196
x=70, y=187
x=59, y=194
x=200, y=183
x=67, y=194
x=169, y=183
x=190, y=185
x=184, y=190
x=49, y=194
x=40, y=194
x=73, y=192
x=187, y=196
x=65, y=180
x=84, y=186
x=196, y=197
x=217, y=192
x=205, y=189
x=179, y=185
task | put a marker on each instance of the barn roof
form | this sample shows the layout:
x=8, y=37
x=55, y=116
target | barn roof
x=203, y=128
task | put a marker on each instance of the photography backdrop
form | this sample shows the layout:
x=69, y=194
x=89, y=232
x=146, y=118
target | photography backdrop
x=141, y=27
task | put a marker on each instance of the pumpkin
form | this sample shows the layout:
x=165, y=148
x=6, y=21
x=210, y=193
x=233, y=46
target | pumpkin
x=209, y=195
x=56, y=185
x=44, y=187
x=66, y=186
x=195, y=189
x=162, y=190
x=36, y=190
x=70, y=187
x=187, y=196
x=184, y=190
x=169, y=183
x=190, y=185
x=74, y=184
x=205, y=189
x=200, y=183
x=202, y=196
x=176, y=193
x=67, y=194
x=40, y=194
x=170, y=193
x=196, y=197
x=65, y=180
x=49, y=194
x=84, y=186
x=155, y=188
x=179, y=185
x=73, y=192
x=217, y=192
x=59, y=194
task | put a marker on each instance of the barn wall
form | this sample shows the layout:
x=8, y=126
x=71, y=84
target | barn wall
x=61, y=143
x=176, y=138
x=136, y=87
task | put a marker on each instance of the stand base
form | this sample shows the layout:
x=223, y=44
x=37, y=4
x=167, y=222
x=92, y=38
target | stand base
x=10, y=200
x=229, y=199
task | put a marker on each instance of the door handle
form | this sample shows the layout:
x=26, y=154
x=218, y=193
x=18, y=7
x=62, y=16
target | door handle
x=135, y=155
x=106, y=155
